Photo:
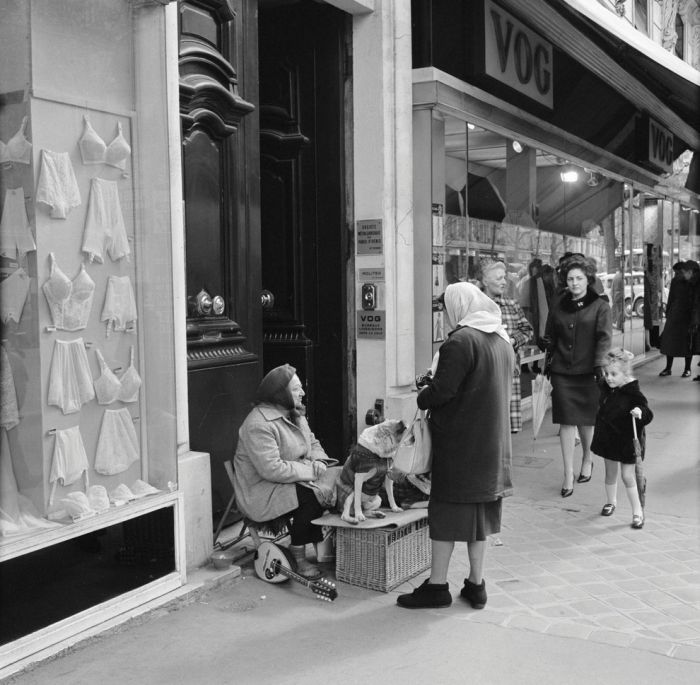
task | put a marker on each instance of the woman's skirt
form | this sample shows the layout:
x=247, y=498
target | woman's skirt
x=574, y=399
x=464, y=522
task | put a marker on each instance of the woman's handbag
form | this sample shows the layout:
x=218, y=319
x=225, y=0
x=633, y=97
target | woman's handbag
x=415, y=451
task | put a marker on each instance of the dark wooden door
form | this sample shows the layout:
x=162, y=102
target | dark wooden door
x=220, y=159
x=302, y=62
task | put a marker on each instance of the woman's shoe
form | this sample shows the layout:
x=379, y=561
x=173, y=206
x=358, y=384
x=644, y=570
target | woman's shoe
x=474, y=594
x=567, y=492
x=607, y=510
x=584, y=479
x=426, y=596
x=686, y=374
x=665, y=372
x=637, y=521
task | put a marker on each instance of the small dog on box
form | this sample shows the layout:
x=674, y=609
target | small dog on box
x=366, y=471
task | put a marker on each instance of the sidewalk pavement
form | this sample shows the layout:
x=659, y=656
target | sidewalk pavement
x=573, y=596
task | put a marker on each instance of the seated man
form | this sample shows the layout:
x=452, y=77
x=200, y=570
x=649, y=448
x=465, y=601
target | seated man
x=276, y=455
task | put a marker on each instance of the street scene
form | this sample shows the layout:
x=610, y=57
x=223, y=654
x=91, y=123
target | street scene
x=354, y=340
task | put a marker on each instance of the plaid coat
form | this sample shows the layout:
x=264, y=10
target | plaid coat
x=520, y=332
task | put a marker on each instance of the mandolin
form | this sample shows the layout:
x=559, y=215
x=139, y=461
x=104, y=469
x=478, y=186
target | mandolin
x=275, y=564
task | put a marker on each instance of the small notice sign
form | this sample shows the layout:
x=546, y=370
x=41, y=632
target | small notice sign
x=370, y=275
x=369, y=237
x=371, y=324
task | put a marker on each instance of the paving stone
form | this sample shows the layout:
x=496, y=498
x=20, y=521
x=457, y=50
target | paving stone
x=655, y=598
x=580, y=577
x=671, y=566
x=537, y=598
x=611, y=637
x=570, y=630
x=625, y=603
x=667, y=582
x=504, y=602
x=650, y=645
x=614, y=573
x=526, y=622
x=515, y=585
x=649, y=617
x=547, y=581
x=635, y=585
x=559, y=566
x=687, y=653
x=591, y=607
x=557, y=611
x=618, y=622
x=484, y=616
x=691, y=578
x=599, y=589
x=527, y=571
x=678, y=631
x=686, y=594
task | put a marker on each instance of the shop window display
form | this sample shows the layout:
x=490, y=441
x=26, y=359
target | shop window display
x=87, y=432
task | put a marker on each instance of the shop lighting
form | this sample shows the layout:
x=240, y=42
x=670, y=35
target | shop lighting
x=593, y=178
x=517, y=146
x=471, y=127
x=569, y=174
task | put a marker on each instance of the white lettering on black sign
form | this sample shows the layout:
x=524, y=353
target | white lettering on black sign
x=660, y=146
x=517, y=56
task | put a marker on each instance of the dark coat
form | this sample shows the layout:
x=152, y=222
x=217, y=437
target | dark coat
x=469, y=399
x=578, y=337
x=676, y=338
x=613, y=436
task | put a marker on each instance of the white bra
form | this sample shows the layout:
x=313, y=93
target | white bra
x=70, y=301
x=109, y=388
x=18, y=148
x=94, y=150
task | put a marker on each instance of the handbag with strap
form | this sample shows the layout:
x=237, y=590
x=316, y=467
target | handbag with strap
x=415, y=451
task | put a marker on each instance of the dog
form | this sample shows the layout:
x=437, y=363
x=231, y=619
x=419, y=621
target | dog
x=366, y=470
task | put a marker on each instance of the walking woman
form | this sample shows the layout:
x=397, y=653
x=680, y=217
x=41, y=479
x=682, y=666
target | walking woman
x=469, y=398
x=577, y=338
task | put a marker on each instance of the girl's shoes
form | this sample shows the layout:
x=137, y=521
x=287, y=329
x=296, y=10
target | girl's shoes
x=638, y=521
x=584, y=479
x=686, y=374
x=608, y=510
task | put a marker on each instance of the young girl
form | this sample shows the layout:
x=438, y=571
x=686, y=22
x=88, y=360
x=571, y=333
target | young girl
x=620, y=398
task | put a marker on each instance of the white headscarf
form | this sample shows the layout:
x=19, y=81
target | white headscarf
x=466, y=305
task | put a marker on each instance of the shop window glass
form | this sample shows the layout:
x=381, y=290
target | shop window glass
x=679, y=47
x=88, y=427
x=641, y=16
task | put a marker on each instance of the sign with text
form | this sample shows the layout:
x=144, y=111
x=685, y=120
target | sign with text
x=370, y=275
x=368, y=237
x=371, y=324
x=654, y=145
x=517, y=56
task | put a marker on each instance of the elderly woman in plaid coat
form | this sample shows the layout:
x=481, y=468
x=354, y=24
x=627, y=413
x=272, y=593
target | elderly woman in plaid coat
x=494, y=281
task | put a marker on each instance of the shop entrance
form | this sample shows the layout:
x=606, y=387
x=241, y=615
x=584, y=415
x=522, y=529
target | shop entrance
x=302, y=183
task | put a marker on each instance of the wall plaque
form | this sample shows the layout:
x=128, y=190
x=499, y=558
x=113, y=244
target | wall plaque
x=368, y=237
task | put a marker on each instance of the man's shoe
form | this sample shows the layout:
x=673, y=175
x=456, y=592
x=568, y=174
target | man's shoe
x=665, y=372
x=426, y=596
x=474, y=594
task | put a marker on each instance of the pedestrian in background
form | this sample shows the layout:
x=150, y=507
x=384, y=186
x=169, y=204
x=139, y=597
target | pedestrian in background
x=468, y=398
x=494, y=281
x=676, y=337
x=577, y=338
x=614, y=435
x=617, y=293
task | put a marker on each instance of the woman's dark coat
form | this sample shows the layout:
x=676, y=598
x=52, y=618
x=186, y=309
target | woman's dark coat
x=676, y=337
x=578, y=337
x=613, y=435
x=469, y=399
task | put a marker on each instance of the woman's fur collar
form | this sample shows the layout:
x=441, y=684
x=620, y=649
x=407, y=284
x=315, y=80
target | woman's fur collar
x=569, y=305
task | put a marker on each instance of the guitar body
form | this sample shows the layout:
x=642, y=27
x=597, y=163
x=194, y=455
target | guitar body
x=275, y=564
x=269, y=558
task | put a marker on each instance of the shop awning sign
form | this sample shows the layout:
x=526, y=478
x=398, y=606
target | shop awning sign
x=654, y=145
x=516, y=56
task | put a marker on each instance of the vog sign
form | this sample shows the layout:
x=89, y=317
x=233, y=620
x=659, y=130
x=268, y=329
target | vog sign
x=655, y=145
x=517, y=56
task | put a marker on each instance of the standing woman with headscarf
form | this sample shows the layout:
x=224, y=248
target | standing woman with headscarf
x=276, y=454
x=469, y=399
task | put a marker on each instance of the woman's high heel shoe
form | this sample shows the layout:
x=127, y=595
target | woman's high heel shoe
x=584, y=479
x=567, y=492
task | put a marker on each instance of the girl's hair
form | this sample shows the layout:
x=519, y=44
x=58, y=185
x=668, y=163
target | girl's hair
x=621, y=358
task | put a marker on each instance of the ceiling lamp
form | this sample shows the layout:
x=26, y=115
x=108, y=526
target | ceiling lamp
x=471, y=127
x=569, y=174
x=517, y=146
x=593, y=179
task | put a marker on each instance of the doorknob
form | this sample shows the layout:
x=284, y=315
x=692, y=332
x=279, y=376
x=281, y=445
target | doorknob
x=204, y=304
x=267, y=299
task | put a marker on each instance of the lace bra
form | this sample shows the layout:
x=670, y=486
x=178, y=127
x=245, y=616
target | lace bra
x=69, y=301
x=18, y=148
x=109, y=388
x=94, y=150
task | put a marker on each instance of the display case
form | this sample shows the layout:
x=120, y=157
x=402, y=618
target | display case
x=88, y=428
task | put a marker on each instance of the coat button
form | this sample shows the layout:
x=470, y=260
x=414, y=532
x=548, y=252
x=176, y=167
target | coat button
x=571, y=325
x=570, y=346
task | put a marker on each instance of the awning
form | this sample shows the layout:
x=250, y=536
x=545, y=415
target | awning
x=662, y=85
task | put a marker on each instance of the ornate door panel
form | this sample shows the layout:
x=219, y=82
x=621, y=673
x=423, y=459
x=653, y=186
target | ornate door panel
x=221, y=198
x=302, y=60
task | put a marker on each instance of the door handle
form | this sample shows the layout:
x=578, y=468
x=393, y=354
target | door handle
x=267, y=299
x=204, y=304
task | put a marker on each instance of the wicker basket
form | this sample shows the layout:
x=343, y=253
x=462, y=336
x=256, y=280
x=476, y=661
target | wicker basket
x=382, y=559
